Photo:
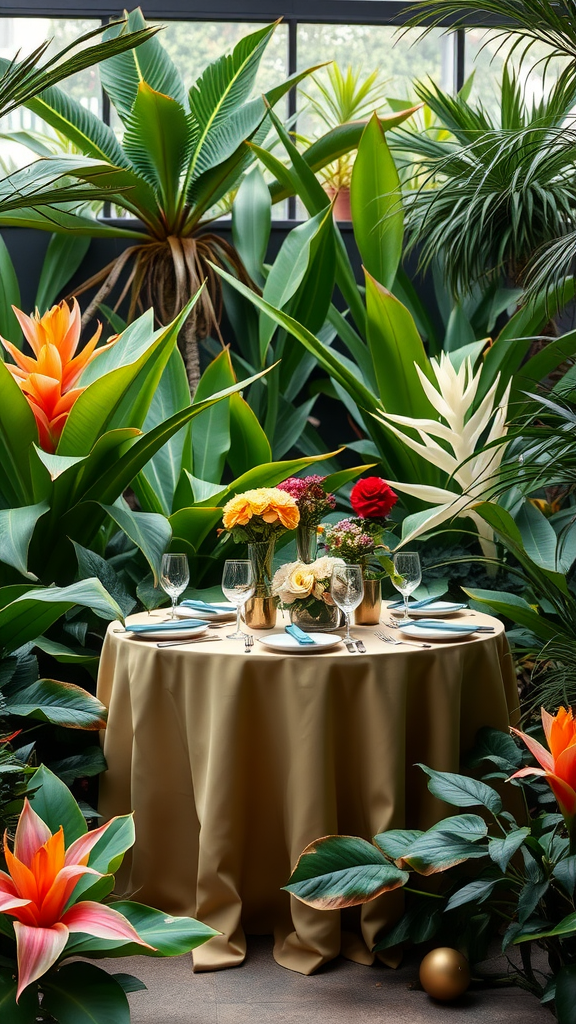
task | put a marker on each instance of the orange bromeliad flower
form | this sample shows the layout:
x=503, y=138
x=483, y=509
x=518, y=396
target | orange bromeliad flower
x=273, y=506
x=47, y=378
x=41, y=880
x=559, y=762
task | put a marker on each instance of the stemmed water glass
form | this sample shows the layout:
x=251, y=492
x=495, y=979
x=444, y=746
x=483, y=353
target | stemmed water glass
x=174, y=577
x=347, y=590
x=238, y=586
x=408, y=576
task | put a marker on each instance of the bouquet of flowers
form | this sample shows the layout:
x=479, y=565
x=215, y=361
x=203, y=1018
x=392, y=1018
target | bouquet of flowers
x=305, y=587
x=312, y=500
x=361, y=539
x=260, y=514
x=257, y=518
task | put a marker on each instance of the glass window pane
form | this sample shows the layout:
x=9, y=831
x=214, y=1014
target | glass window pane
x=24, y=35
x=486, y=52
x=398, y=59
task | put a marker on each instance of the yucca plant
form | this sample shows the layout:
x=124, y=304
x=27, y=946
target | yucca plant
x=180, y=153
x=501, y=189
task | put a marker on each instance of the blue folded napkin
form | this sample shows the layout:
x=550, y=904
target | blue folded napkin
x=155, y=627
x=415, y=604
x=452, y=626
x=299, y=635
x=205, y=606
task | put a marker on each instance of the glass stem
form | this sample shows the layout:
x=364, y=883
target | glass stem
x=406, y=616
x=347, y=634
x=238, y=627
x=174, y=600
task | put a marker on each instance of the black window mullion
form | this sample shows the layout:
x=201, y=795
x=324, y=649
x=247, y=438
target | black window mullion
x=460, y=58
x=293, y=94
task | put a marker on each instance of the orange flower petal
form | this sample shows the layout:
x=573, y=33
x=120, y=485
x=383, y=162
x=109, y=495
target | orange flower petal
x=60, y=892
x=34, y=334
x=21, y=875
x=79, y=851
x=47, y=862
x=543, y=756
x=102, y=922
x=25, y=363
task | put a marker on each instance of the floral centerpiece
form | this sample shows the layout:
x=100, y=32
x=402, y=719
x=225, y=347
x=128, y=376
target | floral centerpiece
x=361, y=540
x=304, y=587
x=314, y=503
x=256, y=518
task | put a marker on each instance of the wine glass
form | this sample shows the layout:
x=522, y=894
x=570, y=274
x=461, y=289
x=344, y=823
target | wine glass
x=347, y=590
x=238, y=585
x=408, y=576
x=174, y=577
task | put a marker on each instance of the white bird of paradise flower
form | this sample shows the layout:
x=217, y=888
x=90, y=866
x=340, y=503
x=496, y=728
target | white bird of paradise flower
x=473, y=473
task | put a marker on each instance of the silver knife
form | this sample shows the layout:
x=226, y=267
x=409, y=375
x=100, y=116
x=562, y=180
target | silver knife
x=360, y=646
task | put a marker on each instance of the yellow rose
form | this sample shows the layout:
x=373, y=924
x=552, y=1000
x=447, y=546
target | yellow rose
x=237, y=512
x=301, y=581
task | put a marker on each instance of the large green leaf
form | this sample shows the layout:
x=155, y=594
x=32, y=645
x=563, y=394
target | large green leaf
x=157, y=142
x=437, y=851
x=565, y=928
x=17, y=434
x=150, y=533
x=16, y=529
x=502, y=850
x=538, y=536
x=170, y=936
x=25, y=1011
x=63, y=258
x=64, y=704
x=211, y=429
x=342, y=871
x=81, y=993
x=462, y=791
x=395, y=346
x=516, y=608
x=86, y=130
x=54, y=803
x=9, y=296
x=122, y=397
x=251, y=223
x=32, y=612
x=163, y=471
x=121, y=75
x=109, y=850
x=376, y=201
x=288, y=271
x=249, y=445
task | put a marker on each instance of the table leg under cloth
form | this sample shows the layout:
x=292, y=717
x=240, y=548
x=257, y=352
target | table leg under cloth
x=233, y=765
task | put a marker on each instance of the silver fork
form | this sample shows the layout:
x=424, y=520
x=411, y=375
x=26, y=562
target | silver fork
x=248, y=643
x=391, y=640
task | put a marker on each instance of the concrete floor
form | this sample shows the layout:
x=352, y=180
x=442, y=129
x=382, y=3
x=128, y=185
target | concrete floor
x=261, y=992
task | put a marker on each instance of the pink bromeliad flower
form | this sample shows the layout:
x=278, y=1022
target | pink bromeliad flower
x=42, y=875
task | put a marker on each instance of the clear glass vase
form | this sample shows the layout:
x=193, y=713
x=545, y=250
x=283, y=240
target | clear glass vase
x=319, y=619
x=306, y=543
x=260, y=610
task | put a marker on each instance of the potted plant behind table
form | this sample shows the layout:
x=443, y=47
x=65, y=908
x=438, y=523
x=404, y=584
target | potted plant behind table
x=314, y=503
x=257, y=518
x=304, y=588
x=361, y=540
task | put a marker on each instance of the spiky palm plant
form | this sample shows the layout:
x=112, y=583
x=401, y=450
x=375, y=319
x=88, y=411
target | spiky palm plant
x=501, y=189
x=22, y=80
x=180, y=152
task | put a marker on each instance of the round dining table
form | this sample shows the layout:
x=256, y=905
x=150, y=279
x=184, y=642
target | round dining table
x=233, y=761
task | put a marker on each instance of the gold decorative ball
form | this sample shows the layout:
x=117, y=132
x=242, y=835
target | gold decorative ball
x=444, y=974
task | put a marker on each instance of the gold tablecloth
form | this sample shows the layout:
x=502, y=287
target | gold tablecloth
x=234, y=762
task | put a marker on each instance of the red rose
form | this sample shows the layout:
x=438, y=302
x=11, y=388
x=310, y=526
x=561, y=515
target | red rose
x=372, y=498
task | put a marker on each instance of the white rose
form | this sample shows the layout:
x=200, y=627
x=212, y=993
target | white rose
x=322, y=567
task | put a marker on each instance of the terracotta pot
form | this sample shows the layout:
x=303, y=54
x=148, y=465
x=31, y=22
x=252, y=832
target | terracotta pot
x=341, y=208
x=368, y=611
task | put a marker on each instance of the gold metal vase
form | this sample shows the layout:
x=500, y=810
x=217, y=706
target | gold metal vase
x=260, y=612
x=368, y=611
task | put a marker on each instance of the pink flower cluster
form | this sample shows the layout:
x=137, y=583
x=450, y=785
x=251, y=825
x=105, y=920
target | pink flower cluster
x=312, y=500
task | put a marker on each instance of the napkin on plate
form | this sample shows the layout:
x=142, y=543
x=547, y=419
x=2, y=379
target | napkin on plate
x=416, y=604
x=206, y=606
x=156, y=627
x=452, y=626
x=299, y=635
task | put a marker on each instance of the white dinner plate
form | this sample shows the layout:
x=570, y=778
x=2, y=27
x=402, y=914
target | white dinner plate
x=436, y=610
x=192, y=613
x=169, y=634
x=423, y=633
x=283, y=642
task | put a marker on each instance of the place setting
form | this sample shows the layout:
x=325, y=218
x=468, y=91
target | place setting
x=426, y=619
